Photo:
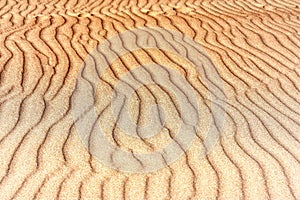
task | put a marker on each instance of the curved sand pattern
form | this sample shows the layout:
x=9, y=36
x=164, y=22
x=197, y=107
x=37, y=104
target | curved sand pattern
x=255, y=48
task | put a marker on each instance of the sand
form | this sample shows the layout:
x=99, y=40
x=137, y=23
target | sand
x=80, y=82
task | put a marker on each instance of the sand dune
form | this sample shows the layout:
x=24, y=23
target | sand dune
x=225, y=75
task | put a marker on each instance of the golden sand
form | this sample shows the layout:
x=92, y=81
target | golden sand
x=254, y=46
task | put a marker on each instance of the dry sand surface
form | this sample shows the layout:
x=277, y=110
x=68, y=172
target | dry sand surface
x=228, y=102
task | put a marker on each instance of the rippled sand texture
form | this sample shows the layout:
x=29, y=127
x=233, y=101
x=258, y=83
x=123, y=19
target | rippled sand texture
x=254, y=45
